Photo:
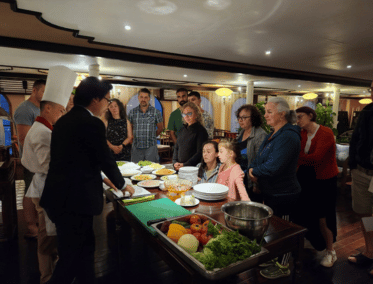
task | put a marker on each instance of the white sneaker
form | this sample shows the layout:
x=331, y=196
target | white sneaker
x=329, y=258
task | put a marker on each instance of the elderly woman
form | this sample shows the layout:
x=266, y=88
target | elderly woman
x=275, y=167
x=317, y=175
x=188, y=148
x=118, y=131
x=249, y=139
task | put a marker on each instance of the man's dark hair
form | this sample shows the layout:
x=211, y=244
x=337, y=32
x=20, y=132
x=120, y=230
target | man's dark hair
x=145, y=90
x=255, y=117
x=196, y=94
x=39, y=83
x=181, y=90
x=308, y=111
x=89, y=89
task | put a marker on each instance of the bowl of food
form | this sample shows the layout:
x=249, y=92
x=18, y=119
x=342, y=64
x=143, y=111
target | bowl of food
x=163, y=172
x=251, y=219
x=147, y=169
x=176, y=187
x=143, y=177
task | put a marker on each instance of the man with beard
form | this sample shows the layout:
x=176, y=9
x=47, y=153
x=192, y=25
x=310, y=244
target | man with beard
x=175, y=123
x=147, y=123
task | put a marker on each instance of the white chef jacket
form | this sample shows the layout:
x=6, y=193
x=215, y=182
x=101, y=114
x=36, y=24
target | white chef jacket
x=36, y=157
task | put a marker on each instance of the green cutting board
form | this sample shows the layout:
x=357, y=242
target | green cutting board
x=156, y=209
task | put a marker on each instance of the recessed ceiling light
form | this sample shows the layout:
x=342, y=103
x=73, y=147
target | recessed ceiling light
x=185, y=75
x=364, y=92
x=349, y=66
x=99, y=77
x=268, y=52
x=239, y=89
x=299, y=86
x=127, y=27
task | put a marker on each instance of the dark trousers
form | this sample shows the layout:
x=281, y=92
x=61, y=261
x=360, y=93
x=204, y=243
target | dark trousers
x=76, y=247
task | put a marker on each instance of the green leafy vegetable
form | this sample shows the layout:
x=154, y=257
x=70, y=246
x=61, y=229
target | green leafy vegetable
x=144, y=163
x=227, y=248
x=212, y=230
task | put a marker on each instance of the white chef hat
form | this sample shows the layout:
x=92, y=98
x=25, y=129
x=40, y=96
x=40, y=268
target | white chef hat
x=60, y=83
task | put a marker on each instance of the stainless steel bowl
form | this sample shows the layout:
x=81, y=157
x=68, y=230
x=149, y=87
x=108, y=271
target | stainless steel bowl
x=250, y=218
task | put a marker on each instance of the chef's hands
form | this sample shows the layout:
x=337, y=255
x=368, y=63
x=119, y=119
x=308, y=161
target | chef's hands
x=252, y=177
x=177, y=166
x=130, y=189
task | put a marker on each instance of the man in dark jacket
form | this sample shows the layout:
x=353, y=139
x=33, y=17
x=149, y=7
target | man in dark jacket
x=361, y=146
x=73, y=191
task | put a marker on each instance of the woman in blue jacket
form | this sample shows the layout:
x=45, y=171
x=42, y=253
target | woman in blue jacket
x=274, y=169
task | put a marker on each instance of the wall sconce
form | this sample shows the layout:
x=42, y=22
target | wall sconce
x=365, y=101
x=310, y=96
x=223, y=92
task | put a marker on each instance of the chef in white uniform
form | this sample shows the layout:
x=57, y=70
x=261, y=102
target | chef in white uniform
x=36, y=157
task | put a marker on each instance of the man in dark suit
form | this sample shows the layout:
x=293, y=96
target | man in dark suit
x=73, y=191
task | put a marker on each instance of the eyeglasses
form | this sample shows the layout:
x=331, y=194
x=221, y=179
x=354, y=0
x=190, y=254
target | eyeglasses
x=108, y=100
x=187, y=114
x=242, y=117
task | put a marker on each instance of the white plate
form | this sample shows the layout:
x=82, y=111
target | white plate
x=177, y=201
x=210, y=198
x=170, y=177
x=211, y=188
x=151, y=177
x=155, y=172
x=188, y=169
x=130, y=172
x=153, y=183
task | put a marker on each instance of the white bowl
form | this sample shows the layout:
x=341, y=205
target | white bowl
x=129, y=172
x=147, y=170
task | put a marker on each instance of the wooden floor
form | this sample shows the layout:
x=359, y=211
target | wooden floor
x=121, y=257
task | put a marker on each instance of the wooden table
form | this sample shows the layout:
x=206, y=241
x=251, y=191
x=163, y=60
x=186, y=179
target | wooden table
x=282, y=237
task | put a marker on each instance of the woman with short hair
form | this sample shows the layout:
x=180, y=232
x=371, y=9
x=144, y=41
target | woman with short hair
x=275, y=167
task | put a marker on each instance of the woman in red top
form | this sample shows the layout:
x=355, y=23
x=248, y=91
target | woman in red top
x=317, y=175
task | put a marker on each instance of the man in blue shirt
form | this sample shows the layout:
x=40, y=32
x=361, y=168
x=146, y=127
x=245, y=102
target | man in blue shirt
x=147, y=123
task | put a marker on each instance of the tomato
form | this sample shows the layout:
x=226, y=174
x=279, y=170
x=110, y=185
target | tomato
x=196, y=228
x=197, y=235
x=195, y=219
x=204, y=239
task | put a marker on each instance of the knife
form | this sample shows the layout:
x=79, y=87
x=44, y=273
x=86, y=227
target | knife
x=133, y=197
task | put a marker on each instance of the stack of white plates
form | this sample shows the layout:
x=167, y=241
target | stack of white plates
x=210, y=191
x=189, y=173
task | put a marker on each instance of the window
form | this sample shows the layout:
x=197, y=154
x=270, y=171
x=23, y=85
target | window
x=6, y=123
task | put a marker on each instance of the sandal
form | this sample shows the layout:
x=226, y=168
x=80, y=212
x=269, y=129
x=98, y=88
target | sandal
x=275, y=271
x=361, y=260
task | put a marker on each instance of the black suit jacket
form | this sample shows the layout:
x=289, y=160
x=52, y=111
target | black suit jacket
x=79, y=153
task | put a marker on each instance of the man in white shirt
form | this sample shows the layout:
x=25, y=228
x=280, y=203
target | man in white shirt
x=36, y=157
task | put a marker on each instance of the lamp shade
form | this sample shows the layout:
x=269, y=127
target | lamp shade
x=223, y=92
x=365, y=101
x=310, y=96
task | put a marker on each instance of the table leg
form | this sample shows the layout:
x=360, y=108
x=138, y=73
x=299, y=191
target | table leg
x=298, y=257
